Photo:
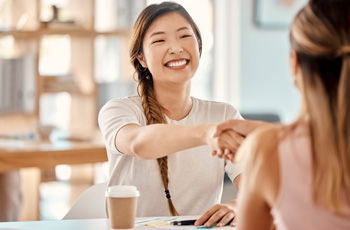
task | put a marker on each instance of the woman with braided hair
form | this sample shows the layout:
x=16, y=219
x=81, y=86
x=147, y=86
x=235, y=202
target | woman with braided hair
x=158, y=140
x=300, y=177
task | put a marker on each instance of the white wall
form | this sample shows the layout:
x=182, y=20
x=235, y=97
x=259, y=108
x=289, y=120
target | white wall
x=265, y=82
x=226, y=68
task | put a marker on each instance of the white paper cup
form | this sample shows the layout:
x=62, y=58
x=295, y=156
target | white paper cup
x=121, y=206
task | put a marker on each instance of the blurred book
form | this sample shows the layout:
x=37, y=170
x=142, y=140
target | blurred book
x=17, y=85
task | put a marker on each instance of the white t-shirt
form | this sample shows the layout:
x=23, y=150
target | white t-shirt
x=195, y=177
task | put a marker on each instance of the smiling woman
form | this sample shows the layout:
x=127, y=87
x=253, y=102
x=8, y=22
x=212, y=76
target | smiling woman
x=202, y=13
x=158, y=140
x=171, y=40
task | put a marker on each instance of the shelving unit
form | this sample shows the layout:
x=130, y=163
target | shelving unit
x=30, y=23
x=68, y=67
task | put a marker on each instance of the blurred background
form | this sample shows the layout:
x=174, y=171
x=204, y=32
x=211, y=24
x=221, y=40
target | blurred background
x=62, y=60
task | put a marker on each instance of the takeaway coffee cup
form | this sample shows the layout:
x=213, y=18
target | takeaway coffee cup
x=121, y=206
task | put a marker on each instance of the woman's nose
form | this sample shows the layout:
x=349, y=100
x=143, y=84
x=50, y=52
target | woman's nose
x=175, y=48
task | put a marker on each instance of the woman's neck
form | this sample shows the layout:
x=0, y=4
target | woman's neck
x=177, y=103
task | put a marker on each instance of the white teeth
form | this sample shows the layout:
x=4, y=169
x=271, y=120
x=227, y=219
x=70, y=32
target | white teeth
x=177, y=63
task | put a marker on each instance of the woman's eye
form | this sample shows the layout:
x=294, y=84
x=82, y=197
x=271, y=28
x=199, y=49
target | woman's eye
x=157, y=41
x=186, y=36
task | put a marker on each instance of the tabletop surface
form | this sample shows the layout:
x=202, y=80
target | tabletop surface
x=99, y=224
x=17, y=154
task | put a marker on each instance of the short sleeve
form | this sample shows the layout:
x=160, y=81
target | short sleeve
x=232, y=113
x=233, y=170
x=114, y=115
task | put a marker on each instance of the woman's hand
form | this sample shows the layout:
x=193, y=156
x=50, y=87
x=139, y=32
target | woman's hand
x=219, y=214
x=226, y=144
x=242, y=127
x=229, y=135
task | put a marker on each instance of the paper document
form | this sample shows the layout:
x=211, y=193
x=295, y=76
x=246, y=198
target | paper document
x=165, y=223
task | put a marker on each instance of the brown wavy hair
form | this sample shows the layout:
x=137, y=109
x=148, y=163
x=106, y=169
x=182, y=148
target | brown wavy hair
x=153, y=110
x=320, y=35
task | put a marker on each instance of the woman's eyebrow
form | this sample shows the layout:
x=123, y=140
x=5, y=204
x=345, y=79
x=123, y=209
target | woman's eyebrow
x=183, y=28
x=162, y=32
x=156, y=33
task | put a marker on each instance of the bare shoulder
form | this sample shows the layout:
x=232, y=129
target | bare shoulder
x=259, y=151
x=263, y=140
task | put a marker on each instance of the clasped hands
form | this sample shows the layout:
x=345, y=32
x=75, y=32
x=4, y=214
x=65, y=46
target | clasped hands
x=228, y=136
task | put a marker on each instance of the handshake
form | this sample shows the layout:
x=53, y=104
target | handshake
x=227, y=137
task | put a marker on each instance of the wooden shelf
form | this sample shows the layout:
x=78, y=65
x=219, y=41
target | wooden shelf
x=55, y=84
x=73, y=32
x=78, y=58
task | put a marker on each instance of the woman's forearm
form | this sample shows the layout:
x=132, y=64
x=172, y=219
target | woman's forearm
x=159, y=140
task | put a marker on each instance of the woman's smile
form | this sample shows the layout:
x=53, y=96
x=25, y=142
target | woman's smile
x=177, y=64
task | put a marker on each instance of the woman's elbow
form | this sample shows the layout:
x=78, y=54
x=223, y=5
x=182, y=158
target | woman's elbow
x=137, y=149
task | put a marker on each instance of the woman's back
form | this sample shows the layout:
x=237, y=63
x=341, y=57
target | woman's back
x=300, y=173
x=294, y=207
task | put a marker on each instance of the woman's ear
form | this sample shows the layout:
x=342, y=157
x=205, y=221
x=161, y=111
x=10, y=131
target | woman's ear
x=293, y=63
x=142, y=61
x=295, y=69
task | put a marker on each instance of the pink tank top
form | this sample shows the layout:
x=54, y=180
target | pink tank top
x=294, y=207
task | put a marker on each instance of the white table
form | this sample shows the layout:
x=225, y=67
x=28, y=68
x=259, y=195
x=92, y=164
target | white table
x=87, y=224
x=92, y=224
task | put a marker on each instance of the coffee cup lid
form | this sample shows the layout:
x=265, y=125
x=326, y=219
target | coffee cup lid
x=122, y=191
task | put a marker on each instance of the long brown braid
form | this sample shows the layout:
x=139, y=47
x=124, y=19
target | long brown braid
x=154, y=112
